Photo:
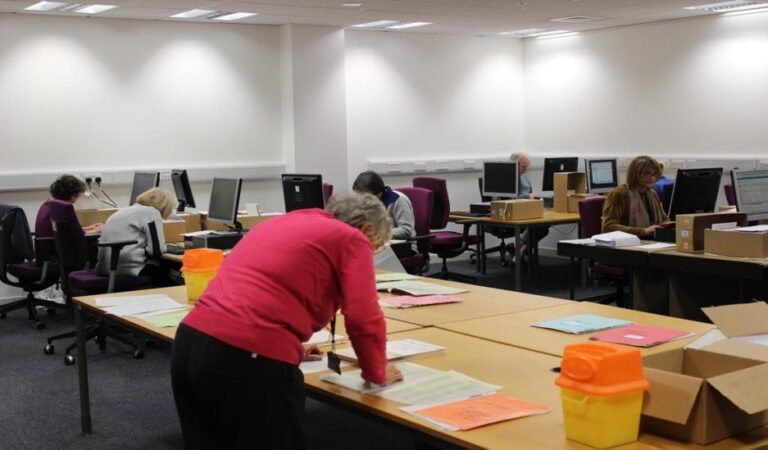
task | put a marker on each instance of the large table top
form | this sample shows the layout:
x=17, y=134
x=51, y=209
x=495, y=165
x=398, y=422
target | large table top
x=516, y=329
x=550, y=218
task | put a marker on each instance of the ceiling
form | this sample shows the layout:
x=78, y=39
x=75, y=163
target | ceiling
x=461, y=17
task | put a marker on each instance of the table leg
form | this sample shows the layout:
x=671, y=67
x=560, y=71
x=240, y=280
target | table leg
x=518, y=262
x=82, y=373
x=529, y=250
x=571, y=277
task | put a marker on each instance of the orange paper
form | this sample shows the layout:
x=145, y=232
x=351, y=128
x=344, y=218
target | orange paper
x=480, y=411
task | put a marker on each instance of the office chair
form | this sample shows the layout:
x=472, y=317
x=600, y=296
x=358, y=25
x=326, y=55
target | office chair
x=17, y=260
x=500, y=233
x=421, y=199
x=590, y=216
x=72, y=254
x=446, y=244
x=327, y=192
x=730, y=196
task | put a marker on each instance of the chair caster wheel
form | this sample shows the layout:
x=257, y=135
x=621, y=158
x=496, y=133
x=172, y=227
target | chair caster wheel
x=69, y=360
x=138, y=354
x=48, y=349
x=39, y=325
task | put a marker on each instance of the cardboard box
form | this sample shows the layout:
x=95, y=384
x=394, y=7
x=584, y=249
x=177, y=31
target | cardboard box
x=735, y=243
x=690, y=228
x=173, y=230
x=520, y=209
x=573, y=201
x=568, y=184
x=703, y=396
x=192, y=220
x=91, y=216
x=744, y=325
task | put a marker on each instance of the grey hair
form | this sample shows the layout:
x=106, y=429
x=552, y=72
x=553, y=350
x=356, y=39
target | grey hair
x=517, y=156
x=358, y=210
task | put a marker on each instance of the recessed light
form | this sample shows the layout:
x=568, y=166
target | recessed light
x=557, y=35
x=523, y=33
x=376, y=24
x=45, y=6
x=747, y=11
x=403, y=26
x=193, y=13
x=738, y=5
x=549, y=33
x=233, y=16
x=351, y=5
x=95, y=9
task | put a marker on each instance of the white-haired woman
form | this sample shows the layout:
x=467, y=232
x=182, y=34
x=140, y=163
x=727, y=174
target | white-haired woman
x=235, y=359
x=525, y=190
x=142, y=222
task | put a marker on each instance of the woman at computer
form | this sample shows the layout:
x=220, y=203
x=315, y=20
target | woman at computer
x=398, y=206
x=525, y=190
x=234, y=367
x=635, y=207
x=142, y=222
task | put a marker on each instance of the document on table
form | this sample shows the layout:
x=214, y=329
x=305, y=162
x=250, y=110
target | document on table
x=656, y=246
x=166, y=320
x=408, y=301
x=420, y=385
x=317, y=366
x=418, y=288
x=583, y=323
x=641, y=335
x=394, y=276
x=585, y=241
x=475, y=412
x=324, y=337
x=616, y=239
x=139, y=305
x=401, y=348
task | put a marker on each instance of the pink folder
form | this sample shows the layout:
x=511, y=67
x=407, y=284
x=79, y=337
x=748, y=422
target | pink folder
x=407, y=301
x=640, y=335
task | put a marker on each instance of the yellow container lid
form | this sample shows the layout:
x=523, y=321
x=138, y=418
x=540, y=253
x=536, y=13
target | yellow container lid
x=202, y=260
x=597, y=368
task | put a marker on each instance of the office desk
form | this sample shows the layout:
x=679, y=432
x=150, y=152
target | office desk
x=478, y=302
x=516, y=329
x=550, y=218
x=87, y=304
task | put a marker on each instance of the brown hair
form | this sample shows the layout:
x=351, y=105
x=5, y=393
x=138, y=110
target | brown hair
x=638, y=165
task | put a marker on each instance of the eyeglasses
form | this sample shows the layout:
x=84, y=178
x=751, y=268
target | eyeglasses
x=647, y=174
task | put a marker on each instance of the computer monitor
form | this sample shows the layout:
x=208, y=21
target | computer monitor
x=695, y=191
x=181, y=186
x=142, y=182
x=601, y=175
x=302, y=191
x=554, y=165
x=500, y=179
x=225, y=198
x=751, y=190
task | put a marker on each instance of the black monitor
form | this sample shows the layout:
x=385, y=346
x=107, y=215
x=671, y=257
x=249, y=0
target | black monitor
x=554, y=165
x=695, y=191
x=302, y=191
x=181, y=186
x=500, y=179
x=751, y=190
x=142, y=182
x=225, y=198
x=601, y=175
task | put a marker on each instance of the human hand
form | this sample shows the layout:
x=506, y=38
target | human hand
x=393, y=374
x=649, y=230
x=312, y=353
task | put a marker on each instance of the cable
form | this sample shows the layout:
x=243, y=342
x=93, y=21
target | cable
x=90, y=192
x=101, y=188
x=554, y=227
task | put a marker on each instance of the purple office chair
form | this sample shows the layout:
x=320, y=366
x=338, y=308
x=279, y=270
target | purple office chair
x=72, y=253
x=730, y=196
x=327, y=192
x=446, y=244
x=421, y=200
x=590, y=216
x=19, y=267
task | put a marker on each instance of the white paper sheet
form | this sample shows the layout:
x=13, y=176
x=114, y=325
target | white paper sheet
x=317, y=366
x=324, y=337
x=141, y=304
x=656, y=246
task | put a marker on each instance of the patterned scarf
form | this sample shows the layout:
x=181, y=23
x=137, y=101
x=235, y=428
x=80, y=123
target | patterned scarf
x=638, y=214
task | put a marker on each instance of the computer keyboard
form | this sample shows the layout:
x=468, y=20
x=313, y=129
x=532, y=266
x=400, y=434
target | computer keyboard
x=174, y=249
x=468, y=214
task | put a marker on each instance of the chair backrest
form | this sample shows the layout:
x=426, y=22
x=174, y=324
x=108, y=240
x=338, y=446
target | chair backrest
x=71, y=245
x=666, y=196
x=327, y=192
x=590, y=215
x=17, y=240
x=441, y=205
x=422, y=201
x=730, y=198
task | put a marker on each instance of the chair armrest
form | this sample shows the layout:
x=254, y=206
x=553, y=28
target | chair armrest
x=44, y=239
x=117, y=247
x=117, y=244
x=423, y=237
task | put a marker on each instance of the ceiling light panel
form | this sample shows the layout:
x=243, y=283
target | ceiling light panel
x=45, y=6
x=228, y=17
x=738, y=5
x=193, y=13
x=405, y=25
x=94, y=9
x=376, y=24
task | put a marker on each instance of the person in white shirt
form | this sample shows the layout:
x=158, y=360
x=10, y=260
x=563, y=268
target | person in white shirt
x=398, y=205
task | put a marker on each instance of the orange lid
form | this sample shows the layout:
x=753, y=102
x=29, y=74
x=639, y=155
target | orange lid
x=598, y=368
x=202, y=260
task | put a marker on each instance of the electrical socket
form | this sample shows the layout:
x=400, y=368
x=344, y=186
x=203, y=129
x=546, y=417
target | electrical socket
x=93, y=176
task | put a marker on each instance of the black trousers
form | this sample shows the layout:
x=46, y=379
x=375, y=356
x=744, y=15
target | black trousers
x=226, y=399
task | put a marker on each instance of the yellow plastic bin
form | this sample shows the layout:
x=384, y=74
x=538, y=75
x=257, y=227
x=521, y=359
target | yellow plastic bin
x=602, y=393
x=199, y=267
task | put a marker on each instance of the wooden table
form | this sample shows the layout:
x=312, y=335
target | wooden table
x=550, y=218
x=478, y=302
x=516, y=329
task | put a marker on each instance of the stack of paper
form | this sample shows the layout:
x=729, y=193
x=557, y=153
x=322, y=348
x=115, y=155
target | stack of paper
x=394, y=276
x=408, y=301
x=403, y=348
x=417, y=288
x=641, y=335
x=584, y=323
x=167, y=320
x=139, y=305
x=476, y=411
x=616, y=239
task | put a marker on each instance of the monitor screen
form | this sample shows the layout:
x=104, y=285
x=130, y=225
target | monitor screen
x=302, y=191
x=751, y=189
x=554, y=165
x=142, y=182
x=601, y=175
x=500, y=179
x=183, y=190
x=695, y=191
x=225, y=198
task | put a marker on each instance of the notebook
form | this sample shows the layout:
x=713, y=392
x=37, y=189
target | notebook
x=583, y=323
x=641, y=335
